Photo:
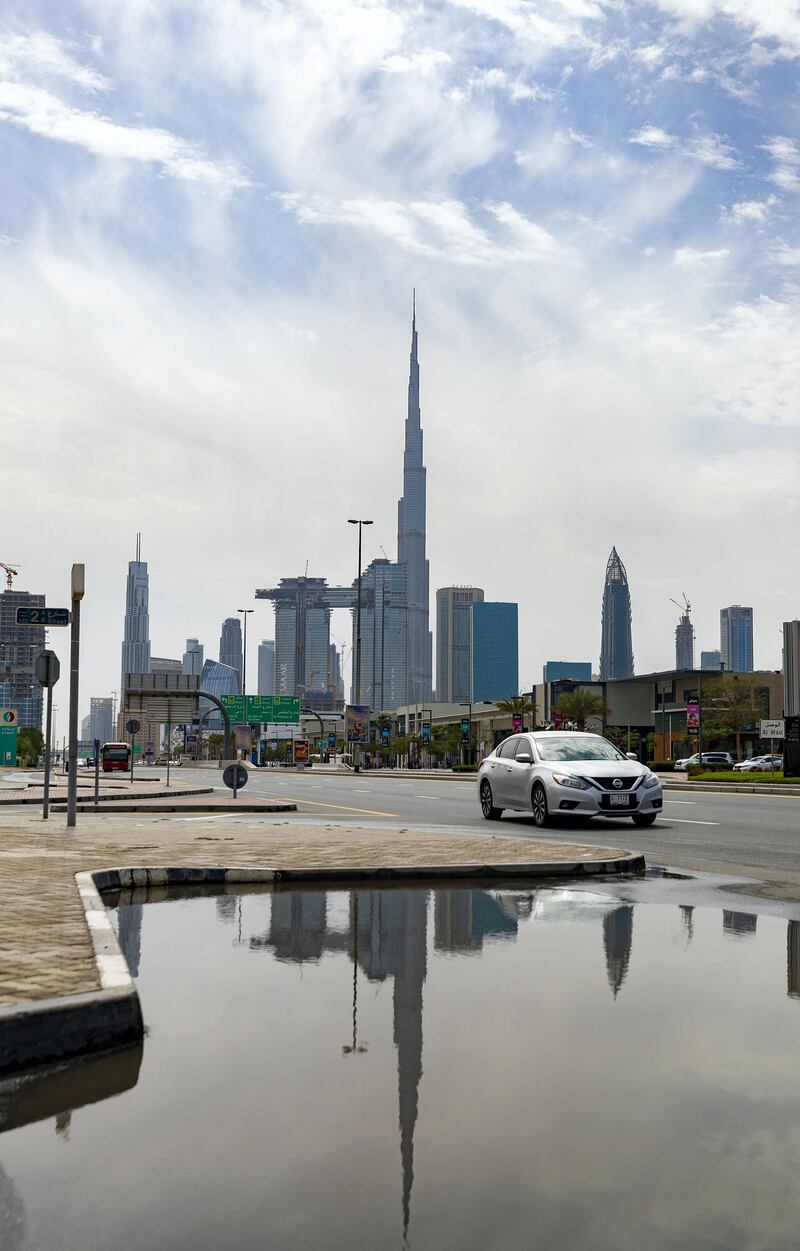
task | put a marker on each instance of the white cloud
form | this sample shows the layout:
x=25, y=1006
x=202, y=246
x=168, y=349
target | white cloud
x=426, y=61
x=653, y=137
x=750, y=210
x=785, y=154
x=777, y=20
x=496, y=79
x=45, y=115
x=691, y=258
x=42, y=55
x=443, y=229
x=713, y=150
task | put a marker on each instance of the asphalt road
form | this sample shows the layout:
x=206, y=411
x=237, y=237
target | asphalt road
x=757, y=835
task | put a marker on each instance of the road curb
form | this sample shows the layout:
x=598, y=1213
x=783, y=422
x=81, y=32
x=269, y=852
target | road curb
x=65, y=1027
x=229, y=809
x=733, y=788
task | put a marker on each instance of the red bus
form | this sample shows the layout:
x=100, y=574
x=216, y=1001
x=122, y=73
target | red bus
x=115, y=756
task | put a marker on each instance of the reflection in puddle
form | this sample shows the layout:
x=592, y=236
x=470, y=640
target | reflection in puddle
x=447, y=1068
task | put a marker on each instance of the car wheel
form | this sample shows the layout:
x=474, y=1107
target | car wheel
x=541, y=816
x=487, y=806
x=644, y=818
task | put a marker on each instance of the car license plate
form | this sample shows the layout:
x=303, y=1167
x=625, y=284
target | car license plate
x=619, y=801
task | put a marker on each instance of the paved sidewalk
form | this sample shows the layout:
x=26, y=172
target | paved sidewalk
x=45, y=948
x=112, y=792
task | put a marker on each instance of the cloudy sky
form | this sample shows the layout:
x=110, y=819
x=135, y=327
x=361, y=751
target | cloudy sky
x=212, y=216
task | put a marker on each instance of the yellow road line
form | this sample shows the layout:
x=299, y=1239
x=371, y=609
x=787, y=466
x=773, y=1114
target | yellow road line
x=369, y=812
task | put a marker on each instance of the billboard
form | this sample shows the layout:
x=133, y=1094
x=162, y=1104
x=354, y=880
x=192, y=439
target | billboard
x=356, y=723
x=693, y=716
x=516, y=723
x=300, y=751
x=465, y=728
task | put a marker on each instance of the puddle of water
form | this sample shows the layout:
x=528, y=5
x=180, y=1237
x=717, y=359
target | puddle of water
x=456, y=1068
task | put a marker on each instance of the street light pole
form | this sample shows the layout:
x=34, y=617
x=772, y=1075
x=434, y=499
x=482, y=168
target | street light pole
x=244, y=612
x=352, y=521
x=77, y=591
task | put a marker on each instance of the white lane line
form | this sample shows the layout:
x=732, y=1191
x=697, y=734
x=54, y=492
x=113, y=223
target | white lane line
x=427, y=797
x=686, y=821
x=680, y=801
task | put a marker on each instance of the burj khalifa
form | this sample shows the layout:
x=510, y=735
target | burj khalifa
x=411, y=540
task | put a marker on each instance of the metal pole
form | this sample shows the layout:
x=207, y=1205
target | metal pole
x=74, y=663
x=133, y=754
x=48, y=733
x=169, y=741
x=356, y=752
x=96, y=771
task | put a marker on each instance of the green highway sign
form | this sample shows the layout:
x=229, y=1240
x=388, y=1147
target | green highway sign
x=8, y=745
x=266, y=709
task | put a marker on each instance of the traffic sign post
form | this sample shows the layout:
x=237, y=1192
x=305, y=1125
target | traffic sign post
x=133, y=727
x=234, y=776
x=263, y=709
x=48, y=670
x=8, y=744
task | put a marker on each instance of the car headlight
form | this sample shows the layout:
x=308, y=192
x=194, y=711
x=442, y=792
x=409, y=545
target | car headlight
x=567, y=779
x=651, y=779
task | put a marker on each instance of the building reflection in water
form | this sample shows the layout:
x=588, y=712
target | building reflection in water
x=130, y=935
x=13, y=1220
x=793, y=960
x=687, y=921
x=617, y=943
x=739, y=924
x=226, y=908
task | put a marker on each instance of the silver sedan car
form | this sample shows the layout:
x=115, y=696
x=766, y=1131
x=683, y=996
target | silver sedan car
x=567, y=773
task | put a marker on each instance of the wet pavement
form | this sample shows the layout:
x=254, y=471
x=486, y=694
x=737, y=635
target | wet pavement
x=606, y=1066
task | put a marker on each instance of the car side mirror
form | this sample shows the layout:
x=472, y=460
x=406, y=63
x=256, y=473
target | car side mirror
x=524, y=757
x=631, y=755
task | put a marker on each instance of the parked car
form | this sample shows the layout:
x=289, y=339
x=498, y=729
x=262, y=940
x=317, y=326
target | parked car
x=566, y=773
x=760, y=764
x=717, y=758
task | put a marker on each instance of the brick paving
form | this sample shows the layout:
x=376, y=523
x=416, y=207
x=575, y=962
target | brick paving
x=44, y=944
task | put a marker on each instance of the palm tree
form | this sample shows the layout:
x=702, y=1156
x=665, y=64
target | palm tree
x=579, y=706
x=518, y=705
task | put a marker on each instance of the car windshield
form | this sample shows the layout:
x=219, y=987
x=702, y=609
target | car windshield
x=559, y=747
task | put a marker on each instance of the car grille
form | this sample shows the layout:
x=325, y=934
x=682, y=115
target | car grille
x=607, y=784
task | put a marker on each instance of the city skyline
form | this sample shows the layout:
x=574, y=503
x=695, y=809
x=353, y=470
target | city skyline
x=606, y=290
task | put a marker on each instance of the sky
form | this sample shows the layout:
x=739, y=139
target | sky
x=212, y=216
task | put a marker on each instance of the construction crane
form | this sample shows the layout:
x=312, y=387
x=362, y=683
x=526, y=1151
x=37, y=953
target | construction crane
x=685, y=607
x=11, y=573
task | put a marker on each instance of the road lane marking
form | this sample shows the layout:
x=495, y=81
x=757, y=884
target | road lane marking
x=687, y=821
x=680, y=801
x=338, y=808
x=427, y=797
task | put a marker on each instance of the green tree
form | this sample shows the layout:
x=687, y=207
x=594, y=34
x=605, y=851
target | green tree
x=214, y=743
x=624, y=739
x=580, y=706
x=445, y=740
x=732, y=704
x=30, y=745
x=518, y=704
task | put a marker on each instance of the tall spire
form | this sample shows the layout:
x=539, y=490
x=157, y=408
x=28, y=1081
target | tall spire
x=616, y=648
x=411, y=521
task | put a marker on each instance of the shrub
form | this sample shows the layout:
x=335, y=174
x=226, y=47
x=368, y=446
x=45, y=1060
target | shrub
x=728, y=775
x=465, y=768
x=662, y=766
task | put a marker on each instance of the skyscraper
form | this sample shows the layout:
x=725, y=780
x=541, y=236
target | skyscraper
x=19, y=647
x=303, y=633
x=684, y=642
x=711, y=660
x=230, y=645
x=193, y=657
x=411, y=540
x=736, y=638
x=616, y=649
x=384, y=671
x=101, y=719
x=791, y=668
x=454, y=642
x=495, y=651
x=136, y=641
x=266, y=667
